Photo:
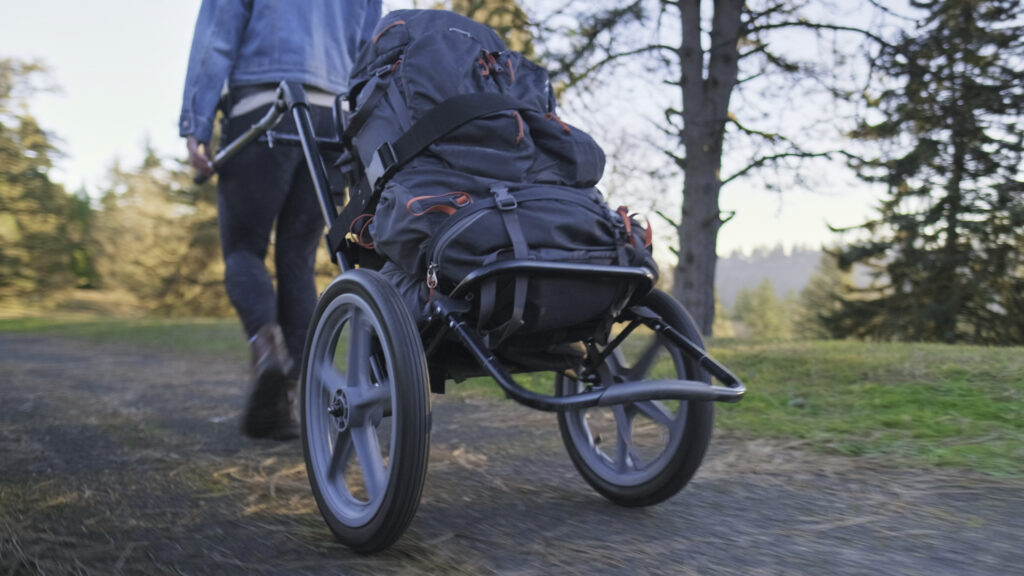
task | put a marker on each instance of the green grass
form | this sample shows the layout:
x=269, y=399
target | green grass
x=914, y=404
x=218, y=337
x=958, y=406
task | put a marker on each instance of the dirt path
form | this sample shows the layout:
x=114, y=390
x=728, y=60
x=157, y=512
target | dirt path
x=125, y=461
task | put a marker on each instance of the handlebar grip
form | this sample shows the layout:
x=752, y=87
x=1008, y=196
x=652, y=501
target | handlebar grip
x=200, y=179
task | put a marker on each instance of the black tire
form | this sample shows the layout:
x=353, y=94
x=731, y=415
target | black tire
x=626, y=477
x=365, y=404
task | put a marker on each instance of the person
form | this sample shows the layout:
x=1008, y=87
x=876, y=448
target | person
x=241, y=50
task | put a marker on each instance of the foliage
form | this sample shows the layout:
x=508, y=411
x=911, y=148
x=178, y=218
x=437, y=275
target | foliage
x=506, y=17
x=947, y=248
x=705, y=53
x=820, y=298
x=44, y=232
x=158, y=239
x=723, y=326
x=763, y=315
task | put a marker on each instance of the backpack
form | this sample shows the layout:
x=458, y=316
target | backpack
x=459, y=160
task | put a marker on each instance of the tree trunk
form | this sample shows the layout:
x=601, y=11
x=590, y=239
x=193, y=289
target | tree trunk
x=705, y=113
x=694, y=277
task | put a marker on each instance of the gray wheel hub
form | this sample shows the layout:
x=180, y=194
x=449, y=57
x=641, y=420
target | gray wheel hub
x=339, y=409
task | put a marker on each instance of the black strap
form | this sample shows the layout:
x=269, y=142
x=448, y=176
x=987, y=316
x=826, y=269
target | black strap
x=507, y=204
x=434, y=125
x=356, y=121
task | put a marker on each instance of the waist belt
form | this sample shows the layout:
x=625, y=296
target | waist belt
x=256, y=100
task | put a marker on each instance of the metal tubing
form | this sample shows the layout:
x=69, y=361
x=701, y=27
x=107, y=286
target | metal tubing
x=269, y=120
x=667, y=390
x=280, y=138
x=552, y=269
x=618, y=394
x=703, y=359
x=315, y=162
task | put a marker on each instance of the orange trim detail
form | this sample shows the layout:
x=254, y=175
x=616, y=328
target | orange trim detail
x=368, y=244
x=447, y=203
x=553, y=116
x=522, y=129
x=623, y=213
x=388, y=27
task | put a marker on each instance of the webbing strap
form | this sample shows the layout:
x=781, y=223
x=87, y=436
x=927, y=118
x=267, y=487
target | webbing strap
x=506, y=204
x=435, y=124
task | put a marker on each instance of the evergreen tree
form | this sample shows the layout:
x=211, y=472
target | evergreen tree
x=820, y=298
x=159, y=240
x=42, y=246
x=763, y=314
x=945, y=250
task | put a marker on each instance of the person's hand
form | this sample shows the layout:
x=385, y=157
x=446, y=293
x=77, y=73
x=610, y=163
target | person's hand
x=199, y=156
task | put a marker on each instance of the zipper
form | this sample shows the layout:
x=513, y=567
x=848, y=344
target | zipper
x=446, y=238
x=432, y=277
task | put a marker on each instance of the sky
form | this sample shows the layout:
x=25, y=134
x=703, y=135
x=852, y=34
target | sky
x=120, y=68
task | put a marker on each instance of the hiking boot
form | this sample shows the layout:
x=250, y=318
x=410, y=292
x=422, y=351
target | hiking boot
x=270, y=411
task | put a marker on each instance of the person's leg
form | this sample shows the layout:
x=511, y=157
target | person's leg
x=300, y=227
x=252, y=188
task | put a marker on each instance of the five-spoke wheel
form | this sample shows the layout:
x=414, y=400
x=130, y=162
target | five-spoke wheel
x=640, y=453
x=365, y=411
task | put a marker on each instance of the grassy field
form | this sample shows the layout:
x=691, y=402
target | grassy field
x=916, y=404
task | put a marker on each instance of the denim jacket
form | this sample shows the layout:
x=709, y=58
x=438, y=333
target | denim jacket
x=247, y=42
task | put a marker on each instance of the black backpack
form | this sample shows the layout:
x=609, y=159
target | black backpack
x=462, y=161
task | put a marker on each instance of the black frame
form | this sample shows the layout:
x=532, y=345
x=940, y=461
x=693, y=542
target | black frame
x=445, y=320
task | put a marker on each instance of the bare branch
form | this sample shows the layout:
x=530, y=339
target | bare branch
x=890, y=11
x=769, y=136
x=576, y=78
x=670, y=221
x=775, y=157
x=741, y=81
x=819, y=26
x=680, y=161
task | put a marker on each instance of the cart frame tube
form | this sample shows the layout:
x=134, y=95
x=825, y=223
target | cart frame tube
x=621, y=393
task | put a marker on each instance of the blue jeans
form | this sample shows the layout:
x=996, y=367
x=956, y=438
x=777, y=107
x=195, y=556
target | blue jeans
x=263, y=190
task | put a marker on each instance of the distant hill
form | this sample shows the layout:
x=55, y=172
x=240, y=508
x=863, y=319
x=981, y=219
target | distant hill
x=787, y=272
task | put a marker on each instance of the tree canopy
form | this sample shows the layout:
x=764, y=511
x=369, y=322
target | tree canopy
x=44, y=232
x=947, y=247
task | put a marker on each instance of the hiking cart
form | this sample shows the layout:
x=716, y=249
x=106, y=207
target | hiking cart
x=632, y=388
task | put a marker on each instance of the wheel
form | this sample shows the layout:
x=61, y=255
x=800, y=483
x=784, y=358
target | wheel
x=365, y=411
x=641, y=453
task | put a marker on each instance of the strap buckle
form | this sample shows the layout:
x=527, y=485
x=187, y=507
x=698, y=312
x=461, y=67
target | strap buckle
x=381, y=165
x=503, y=199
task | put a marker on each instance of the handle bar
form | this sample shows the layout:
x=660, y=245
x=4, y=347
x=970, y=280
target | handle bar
x=272, y=117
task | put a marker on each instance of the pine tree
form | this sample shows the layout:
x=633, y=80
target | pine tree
x=40, y=244
x=945, y=249
x=820, y=298
x=763, y=314
x=159, y=241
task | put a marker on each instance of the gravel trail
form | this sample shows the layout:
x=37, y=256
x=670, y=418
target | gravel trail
x=126, y=461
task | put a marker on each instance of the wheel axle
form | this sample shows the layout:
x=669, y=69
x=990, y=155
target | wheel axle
x=338, y=408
